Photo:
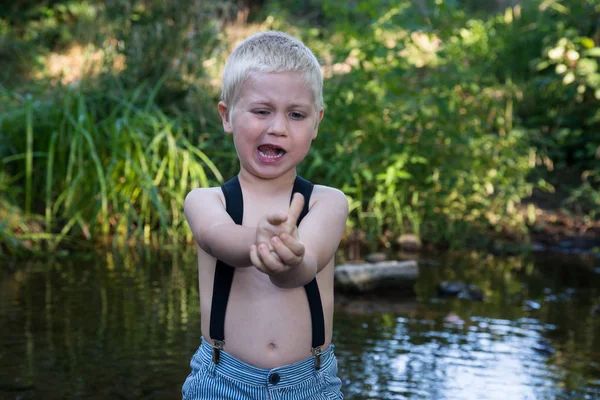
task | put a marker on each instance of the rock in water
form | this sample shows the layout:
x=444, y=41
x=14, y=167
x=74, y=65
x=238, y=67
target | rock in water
x=369, y=277
x=409, y=242
x=451, y=288
x=376, y=257
x=461, y=290
x=472, y=292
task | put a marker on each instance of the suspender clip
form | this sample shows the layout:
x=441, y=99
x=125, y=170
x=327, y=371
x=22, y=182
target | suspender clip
x=216, y=352
x=316, y=352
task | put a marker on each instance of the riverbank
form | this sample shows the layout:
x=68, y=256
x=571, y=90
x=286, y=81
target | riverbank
x=126, y=328
x=557, y=228
x=554, y=229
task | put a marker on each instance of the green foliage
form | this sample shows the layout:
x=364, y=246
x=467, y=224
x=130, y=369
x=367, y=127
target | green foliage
x=564, y=96
x=438, y=114
x=114, y=155
x=30, y=30
x=107, y=165
x=424, y=136
x=163, y=39
x=19, y=234
x=585, y=199
x=137, y=40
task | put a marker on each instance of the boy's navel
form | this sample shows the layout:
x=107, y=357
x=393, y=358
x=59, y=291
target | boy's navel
x=271, y=346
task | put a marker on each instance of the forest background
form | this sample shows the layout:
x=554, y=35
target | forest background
x=460, y=123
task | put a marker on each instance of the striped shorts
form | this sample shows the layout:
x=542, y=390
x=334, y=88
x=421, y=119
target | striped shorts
x=233, y=379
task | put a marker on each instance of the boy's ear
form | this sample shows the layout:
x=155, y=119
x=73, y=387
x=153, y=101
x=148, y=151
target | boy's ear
x=224, y=111
x=321, y=111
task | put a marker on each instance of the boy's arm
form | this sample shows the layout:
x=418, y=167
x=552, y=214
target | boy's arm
x=320, y=232
x=214, y=230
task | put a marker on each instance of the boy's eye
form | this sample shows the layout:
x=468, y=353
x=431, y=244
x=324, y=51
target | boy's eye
x=261, y=112
x=296, y=115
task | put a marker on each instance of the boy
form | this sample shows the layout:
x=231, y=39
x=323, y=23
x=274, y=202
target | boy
x=265, y=256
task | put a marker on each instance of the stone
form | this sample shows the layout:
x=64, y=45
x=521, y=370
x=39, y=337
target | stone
x=376, y=258
x=409, y=242
x=451, y=288
x=370, y=277
x=471, y=292
x=461, y=290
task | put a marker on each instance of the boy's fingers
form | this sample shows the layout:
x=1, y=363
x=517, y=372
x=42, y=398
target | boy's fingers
x=296, y=208
x=294, y=245
x=285, y=254
x=271, y=261
x=277, y=219
x=258, y=262
x=270, y=250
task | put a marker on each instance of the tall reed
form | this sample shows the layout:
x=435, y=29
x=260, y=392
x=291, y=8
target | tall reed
x=114, y=166
x=28, y=152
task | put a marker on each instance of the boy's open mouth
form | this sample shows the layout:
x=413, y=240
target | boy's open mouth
x=270, y=152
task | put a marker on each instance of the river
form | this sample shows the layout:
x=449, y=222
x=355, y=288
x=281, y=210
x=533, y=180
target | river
x=125, y=327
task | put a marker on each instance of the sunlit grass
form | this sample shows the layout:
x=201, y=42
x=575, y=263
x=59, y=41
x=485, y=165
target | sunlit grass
x=122, y=174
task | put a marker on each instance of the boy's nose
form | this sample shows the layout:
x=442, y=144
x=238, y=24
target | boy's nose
x=278, y=125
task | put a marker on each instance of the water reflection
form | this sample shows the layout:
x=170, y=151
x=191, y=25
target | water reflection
x=455, y=349
x=482, y=359
x=113, y=328
x=126, y=327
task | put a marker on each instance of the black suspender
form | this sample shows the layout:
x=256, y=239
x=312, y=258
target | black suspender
x=312, y=289
x=224, y=275
x=234, y=203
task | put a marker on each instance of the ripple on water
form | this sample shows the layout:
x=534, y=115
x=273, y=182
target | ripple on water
x=489, y=359
x=102, y=333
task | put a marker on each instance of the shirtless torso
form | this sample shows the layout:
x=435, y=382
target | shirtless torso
x=265, y=325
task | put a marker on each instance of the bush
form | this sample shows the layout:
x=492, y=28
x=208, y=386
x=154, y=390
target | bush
x=438, y=116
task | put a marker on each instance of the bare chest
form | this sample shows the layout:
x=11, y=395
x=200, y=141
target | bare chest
x=255, y=209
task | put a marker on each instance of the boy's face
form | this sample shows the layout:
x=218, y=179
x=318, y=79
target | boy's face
x=273, y=122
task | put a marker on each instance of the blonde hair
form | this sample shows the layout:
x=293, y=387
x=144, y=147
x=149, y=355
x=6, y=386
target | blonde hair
x=270, y=51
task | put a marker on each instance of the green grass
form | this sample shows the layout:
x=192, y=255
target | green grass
x=93, y=174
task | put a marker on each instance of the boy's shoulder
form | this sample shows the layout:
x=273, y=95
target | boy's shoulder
x=332, y=196
x=206, y=191
x=200, y=196
x=328, y=192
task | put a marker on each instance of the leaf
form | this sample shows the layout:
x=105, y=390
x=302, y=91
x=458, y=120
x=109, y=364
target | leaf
x=543, y=65
x=556, y=53
x=403, y=175
x=595, y=52
x=418, y=160
x=569, y=78
x=587, y=42
x=368, y=174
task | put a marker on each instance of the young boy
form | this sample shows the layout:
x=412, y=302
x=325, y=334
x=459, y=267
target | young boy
x=266, y=239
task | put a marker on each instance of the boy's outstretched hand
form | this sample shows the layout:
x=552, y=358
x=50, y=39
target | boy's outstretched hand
x=278, y=247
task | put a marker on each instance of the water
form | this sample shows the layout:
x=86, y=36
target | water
x=110, y=328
